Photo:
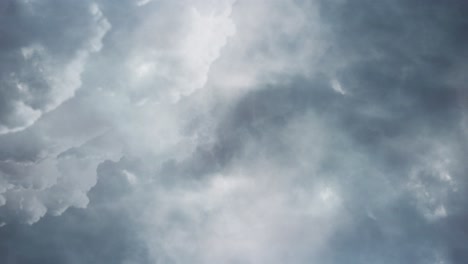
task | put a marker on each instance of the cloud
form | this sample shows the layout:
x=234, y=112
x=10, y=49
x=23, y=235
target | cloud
x=42, y=59
x=239, y=132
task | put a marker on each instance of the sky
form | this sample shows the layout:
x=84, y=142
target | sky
x=233, y=131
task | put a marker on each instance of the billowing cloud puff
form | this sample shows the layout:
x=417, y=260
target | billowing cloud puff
x=44, y=48
x=43, y=57
x=157, y=70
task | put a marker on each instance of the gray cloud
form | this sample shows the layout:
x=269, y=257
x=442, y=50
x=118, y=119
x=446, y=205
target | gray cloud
x=246, y=132
x=44, y=47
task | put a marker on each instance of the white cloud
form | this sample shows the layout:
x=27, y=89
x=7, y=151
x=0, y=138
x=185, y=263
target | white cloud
x=176, y=61
x=246, y=218
x=336, y=85
x=142, y=2
x=431, y=183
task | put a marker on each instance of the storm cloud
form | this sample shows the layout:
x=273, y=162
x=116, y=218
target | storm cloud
x=233, y=131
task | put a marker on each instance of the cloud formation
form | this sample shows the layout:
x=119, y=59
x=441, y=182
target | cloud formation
x=233, y=132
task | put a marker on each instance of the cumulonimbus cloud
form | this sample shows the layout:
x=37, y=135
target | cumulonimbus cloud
x=239, y=132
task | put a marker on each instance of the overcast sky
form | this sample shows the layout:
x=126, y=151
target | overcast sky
x=233, y=131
